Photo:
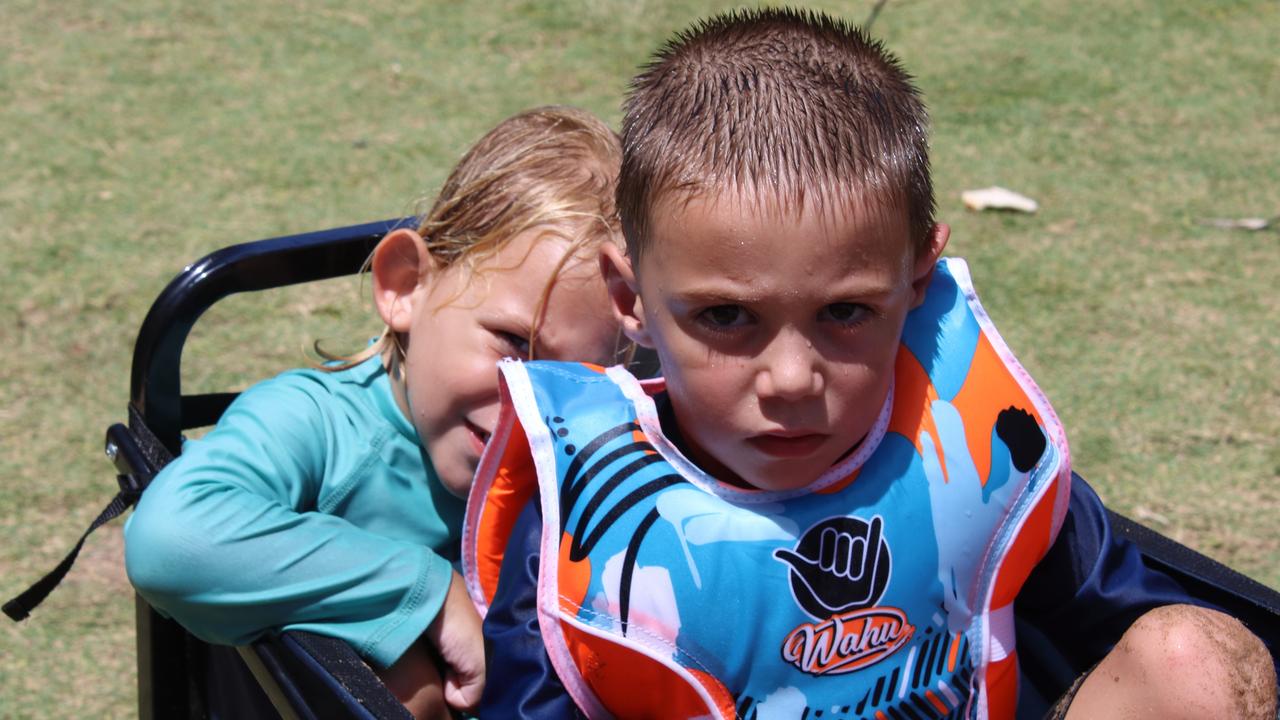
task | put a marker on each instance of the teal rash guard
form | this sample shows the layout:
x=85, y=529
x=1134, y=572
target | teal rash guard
x=311, y=506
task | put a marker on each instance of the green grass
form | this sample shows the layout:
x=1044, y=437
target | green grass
x=136, y=137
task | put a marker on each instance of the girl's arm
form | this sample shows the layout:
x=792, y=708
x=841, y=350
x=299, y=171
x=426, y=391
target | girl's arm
x=445, y=668
x=235, y=537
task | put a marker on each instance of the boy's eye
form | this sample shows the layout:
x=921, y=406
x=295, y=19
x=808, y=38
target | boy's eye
x=517, y=344
x=846, y=313
x=724, y=316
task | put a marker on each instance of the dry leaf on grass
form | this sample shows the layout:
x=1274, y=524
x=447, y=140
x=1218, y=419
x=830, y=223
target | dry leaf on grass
x=998, y=198
x=1254, y=223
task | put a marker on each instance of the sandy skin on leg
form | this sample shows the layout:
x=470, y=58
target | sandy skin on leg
x=1181, y=661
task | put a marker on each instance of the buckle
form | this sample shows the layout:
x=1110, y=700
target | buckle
x=130, y=487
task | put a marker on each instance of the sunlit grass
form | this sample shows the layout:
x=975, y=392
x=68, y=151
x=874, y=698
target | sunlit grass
x=136, y=137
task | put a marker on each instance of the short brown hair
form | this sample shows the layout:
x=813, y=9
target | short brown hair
x=793, y=104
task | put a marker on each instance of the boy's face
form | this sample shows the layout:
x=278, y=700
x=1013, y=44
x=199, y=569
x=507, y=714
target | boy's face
x=777, y=332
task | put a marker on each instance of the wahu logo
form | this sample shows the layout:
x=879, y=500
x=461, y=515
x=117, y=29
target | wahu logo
x=840, y=569
x=847, y=642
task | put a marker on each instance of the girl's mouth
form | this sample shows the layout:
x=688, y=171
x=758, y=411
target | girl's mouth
x=479, y=436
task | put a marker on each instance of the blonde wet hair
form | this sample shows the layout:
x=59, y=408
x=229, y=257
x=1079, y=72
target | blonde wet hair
x=551, y=167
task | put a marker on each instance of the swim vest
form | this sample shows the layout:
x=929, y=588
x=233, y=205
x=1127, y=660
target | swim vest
x=884, y=589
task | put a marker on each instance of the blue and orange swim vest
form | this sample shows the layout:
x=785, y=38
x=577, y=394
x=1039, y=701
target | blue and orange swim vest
x=883, y=590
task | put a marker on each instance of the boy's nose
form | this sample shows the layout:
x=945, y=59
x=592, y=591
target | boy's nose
x=791, y=370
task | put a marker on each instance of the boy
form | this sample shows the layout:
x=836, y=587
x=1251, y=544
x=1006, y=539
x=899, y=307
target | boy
x=848, y=479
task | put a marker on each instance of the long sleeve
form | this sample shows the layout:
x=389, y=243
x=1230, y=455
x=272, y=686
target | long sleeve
x=303, y=509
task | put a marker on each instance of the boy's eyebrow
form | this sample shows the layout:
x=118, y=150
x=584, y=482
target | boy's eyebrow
x=706, y=294
x=735, y=291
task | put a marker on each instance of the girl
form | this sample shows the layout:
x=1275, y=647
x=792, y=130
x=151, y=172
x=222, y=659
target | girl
x=331, y=499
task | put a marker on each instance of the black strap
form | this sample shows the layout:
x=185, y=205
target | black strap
x=154, y=454
x=138, y=455
x=20, y=607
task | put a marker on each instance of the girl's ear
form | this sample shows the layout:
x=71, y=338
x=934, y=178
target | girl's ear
x=624, y=293
x=401, y=265
x=923, y=270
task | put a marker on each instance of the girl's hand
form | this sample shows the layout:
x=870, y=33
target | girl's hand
x=415, y=681
x=457, y=637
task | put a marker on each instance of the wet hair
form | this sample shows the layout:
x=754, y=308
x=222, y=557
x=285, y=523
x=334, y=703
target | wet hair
x=790, y=107
x=551, y=167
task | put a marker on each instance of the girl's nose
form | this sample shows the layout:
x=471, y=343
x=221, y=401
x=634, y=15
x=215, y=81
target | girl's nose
x=791, y=370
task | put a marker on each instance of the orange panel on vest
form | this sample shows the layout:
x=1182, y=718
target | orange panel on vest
x=913, y=396
x=1002, y=687
x=980, y=401
x=574, y=577
x=513, y=485
x=1028, y=548
x=626, y=681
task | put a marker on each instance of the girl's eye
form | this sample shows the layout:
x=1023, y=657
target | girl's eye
x=846, y=313
x=724, y=316
x=517, y=344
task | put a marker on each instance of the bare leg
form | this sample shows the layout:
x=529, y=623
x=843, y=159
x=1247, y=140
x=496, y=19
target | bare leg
x=1179, y=662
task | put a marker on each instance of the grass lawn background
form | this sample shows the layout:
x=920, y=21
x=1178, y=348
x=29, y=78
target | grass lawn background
x=136, y=137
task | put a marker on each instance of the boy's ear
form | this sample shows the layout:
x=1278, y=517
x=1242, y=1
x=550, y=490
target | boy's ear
x=401, y=263
x=922, y=273
x=624, y=294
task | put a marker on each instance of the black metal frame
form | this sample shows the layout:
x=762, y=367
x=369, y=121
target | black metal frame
x=1246, y=599
x=171, y=662
x=309, y=676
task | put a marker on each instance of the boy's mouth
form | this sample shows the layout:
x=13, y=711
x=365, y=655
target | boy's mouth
x=787, y=445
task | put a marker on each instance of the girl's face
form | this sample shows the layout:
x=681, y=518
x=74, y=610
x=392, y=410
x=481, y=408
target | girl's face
x=463, y=321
